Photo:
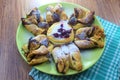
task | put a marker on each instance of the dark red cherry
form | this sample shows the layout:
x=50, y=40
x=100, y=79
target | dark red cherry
x=61, y=30
x=66, y=36
x=56, y=35
x=63, y=33
x=61, y=25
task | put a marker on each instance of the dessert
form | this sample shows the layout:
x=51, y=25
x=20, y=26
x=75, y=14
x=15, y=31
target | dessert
x=61, y=37
x=37, y=49
x=89, y=37
x=67, y=56
x=60, y=33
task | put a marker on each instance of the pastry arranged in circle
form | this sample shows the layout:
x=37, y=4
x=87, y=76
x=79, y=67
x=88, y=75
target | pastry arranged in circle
x=60, y=33
x=61, y=37
x=67, y=56
x=37, y=50
x=89, y=37
x=81, y=18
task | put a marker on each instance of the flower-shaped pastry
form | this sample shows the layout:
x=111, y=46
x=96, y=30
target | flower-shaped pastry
x=61, y=36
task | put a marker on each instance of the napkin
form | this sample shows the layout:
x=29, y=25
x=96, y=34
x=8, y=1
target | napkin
x=106, y=68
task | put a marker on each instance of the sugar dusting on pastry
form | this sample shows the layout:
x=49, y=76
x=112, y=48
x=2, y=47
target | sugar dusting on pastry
x=62, y=36
x=73, y=48
x=65, y=49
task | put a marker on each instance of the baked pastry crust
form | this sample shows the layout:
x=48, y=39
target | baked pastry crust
x=53, y=29
x=90, y=37
x=61, y=36
x=67, y=56
x=61, y=60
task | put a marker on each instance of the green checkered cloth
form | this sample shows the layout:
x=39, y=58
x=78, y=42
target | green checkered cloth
x=108, y=66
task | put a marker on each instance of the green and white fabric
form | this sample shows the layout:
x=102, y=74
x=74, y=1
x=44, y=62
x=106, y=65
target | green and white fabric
x=107, y=67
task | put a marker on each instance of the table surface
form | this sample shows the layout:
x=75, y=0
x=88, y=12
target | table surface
x=12, y=66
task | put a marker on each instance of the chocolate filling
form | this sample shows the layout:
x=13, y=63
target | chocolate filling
x=31, y=40
x=35, y=12
x=43, y=25
x=56, y=17
x=72, y=21
x=76, y=11
x=44, y=42
x=82, y=36
x=25, y=21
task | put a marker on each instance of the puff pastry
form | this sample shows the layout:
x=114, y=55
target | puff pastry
x=37, y=50
x=81, y=17
x=61, y=36
x=60, y=33
x=90, y=37
x=36, y=13
x=55, y=14
x=67, y=56
x=61, y=60
x=75, y=58
x=41, y=51
x=34, y=23
x=37, y=41
x=38, y=60
x=31, y=26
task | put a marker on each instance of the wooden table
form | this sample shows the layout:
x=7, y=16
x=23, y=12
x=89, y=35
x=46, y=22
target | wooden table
x=12, y=66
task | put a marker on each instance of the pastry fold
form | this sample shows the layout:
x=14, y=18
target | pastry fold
x=61, y=60
x=34, y=22
x=38, y=56
x=80, y=18
x=55, y=14
x=37, y=41
x=37, y=50
x=38, y=60
x=90, y=37
x=36, y=13
x=75, y=58
x=67, y=56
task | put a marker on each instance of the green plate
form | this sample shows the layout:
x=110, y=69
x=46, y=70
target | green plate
x=89, y=57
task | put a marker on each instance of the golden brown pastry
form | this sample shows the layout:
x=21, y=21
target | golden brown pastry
x=58, y=8
x=50, y=47
x=75, y=58
x=49, y=17
x=37, y=41
x=60, y=33
x=34, y=23
x=37, y=50
x=31, y=26
x=73, y=21
x=63, y=16
x=38, y=60
x=90, y=37
x=25, y=48
x=87, y=19
x=85, y=44
x=79, y=13
x=81, y=16
x=67, y=56
x=36, y=13
x=55, y=14
x=41, y=51
x=61, y=60
x=50, y=8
